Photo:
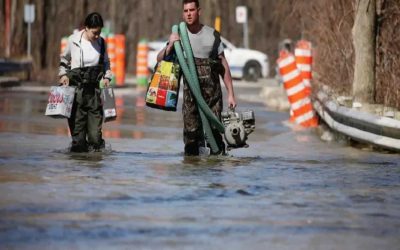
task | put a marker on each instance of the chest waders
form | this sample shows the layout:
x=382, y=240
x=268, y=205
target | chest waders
x=86, y=118
x=207, y=117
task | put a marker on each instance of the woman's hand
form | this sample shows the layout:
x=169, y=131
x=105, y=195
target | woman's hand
x=64, y=80
x=106, y=82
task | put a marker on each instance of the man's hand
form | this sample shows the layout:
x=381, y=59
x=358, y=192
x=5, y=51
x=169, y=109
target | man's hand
x=64, y=80
x=173, y=38
x=231, y=101
x=165, y=51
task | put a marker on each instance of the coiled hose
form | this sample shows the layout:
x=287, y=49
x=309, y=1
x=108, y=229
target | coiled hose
x=190, y=72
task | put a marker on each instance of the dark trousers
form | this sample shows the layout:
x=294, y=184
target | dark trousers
x=193, y=134
x=86, y=119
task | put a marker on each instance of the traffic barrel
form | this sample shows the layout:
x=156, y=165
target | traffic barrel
x=142, y=71
x=64, y=43
x=217, y=24
x=119, y=59
x=111, y=51
x=303, y=56
x=299, y=100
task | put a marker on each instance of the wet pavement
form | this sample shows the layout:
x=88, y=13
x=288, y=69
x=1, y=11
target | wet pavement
x=288, y=190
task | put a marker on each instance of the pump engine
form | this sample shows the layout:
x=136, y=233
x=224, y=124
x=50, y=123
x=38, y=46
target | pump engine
x=237, y=127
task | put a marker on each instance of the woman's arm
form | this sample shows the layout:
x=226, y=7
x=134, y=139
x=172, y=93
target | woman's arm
x=65, y=63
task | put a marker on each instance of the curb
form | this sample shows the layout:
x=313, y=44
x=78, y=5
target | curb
x=275, y=98
x=7, y=82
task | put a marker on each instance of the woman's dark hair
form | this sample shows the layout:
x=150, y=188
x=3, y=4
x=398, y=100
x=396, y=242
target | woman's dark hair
x=191, y=1
x=94, y=20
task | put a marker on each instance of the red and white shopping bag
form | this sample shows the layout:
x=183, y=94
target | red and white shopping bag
x=60, y=101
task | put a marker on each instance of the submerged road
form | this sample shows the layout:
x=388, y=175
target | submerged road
x=288, y=190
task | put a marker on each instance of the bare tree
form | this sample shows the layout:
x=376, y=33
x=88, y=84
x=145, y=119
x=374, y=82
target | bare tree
x=364, y=47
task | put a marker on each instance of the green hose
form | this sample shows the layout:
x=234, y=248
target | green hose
x=195, y=88
x=190, y=73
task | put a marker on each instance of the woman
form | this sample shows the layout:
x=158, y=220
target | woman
x=85, y=63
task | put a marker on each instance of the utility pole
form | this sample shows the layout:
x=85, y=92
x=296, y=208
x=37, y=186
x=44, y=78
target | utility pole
x=29, y=17
x=113, y=14
x=241, y=17
x=246, y=34
x=7, y=28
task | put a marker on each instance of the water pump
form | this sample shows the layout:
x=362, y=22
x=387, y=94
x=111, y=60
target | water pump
x=237, y=127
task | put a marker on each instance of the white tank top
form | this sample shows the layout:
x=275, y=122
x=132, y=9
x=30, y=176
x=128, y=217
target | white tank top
x=203, y=41
x=90, y=52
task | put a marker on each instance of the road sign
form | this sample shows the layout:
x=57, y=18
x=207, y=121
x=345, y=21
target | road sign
x=241, y=14
x=29, y=17
x=29, y=13
x=241, y=17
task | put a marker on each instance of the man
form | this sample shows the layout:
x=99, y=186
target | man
x=210, y=63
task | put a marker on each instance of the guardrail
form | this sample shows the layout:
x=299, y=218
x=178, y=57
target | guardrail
x=380, y=131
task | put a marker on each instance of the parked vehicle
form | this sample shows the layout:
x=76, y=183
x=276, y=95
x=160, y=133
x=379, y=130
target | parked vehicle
x=246, y=64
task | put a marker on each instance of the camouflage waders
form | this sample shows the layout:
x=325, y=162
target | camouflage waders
x=87, y=113
x=208, y=71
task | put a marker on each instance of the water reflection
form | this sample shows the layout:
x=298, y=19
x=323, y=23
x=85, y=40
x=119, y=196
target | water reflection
x=140, y=121
x=22, y=112
x=114, y=132
x=90, y=159
x=290, y=191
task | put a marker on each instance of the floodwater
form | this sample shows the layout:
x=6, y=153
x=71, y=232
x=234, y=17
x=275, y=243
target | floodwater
x=288, y=190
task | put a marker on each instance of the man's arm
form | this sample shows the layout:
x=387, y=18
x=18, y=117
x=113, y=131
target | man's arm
x=228, y=81
x=167, y=49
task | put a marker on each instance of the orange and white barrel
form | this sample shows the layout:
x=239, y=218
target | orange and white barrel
x=119, y=59
x=142, y=71
x=299, y=100
x=64, y=43
x=110, y=40
x=303, y=54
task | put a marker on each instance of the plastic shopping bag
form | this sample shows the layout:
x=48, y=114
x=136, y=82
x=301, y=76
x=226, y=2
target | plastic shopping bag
x=108, y=99
x=60, y=101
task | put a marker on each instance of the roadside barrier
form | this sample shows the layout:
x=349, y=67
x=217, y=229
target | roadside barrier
x=119, y=59
x=303, y=56
x=142, y=72
x=298, y=97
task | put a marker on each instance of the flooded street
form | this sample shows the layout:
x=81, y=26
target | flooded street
x=288, y=190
